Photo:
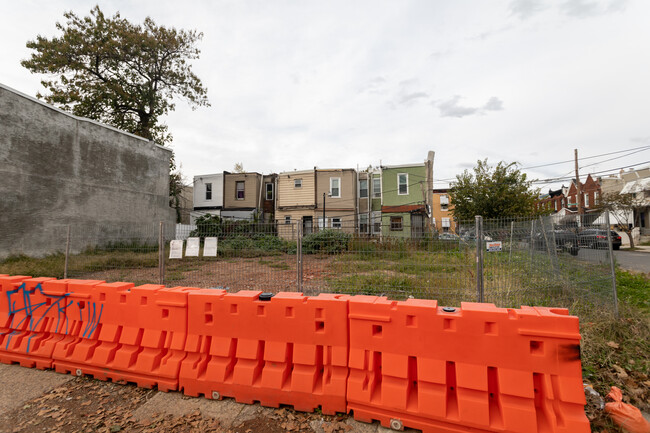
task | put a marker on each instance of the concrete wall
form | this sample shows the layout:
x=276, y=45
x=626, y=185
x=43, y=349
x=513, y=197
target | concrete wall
x=57, y=169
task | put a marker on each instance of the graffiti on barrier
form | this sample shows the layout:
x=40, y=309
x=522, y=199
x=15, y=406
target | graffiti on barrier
x=33, y=309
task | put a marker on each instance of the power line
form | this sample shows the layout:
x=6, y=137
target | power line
x=587, y=157
x=609, y=171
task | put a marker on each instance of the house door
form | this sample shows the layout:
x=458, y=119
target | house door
x=307, y=225
x=417, y=225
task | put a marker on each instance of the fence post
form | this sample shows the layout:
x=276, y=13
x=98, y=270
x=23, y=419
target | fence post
x=611, y=263
x=512, y=230
x=479, y=258
x=161, y=254
x=299, y=256
x=67, y=254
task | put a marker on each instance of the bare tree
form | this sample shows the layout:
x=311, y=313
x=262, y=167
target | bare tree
x=621, y=206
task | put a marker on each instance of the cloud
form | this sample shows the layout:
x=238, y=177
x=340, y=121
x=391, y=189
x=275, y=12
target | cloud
x=524, y=9
x=590, y=8
x=493, y=104
x=374, y=85
x=408, y=93
x=452, y=108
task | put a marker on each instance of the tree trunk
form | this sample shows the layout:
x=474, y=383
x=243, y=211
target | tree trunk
x=630, y=237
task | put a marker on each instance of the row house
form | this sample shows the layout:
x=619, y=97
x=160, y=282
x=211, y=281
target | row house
x=395, y=200
x=442, y=209
x=234, y=196
x=318, y=199
x=564, y=201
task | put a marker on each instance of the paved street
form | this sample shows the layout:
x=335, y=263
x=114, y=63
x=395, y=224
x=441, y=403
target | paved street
x=633, y=260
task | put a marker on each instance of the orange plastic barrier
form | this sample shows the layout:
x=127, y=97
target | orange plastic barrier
x=477, y=368
x=290, y=349
x=407, y=364
x=26, y=321
x=134, y=334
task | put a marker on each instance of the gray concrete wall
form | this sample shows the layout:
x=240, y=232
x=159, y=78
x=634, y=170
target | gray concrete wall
x=57, y=169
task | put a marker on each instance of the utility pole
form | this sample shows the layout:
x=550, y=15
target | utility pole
x=578, y=185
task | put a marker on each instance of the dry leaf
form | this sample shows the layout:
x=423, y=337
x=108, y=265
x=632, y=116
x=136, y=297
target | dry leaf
x=612, y=344
x=620, y=371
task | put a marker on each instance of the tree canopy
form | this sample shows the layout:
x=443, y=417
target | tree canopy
x=123, y=74
x=499, y=191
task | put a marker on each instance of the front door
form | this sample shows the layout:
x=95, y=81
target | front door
x=307, y=224
x=417, y=225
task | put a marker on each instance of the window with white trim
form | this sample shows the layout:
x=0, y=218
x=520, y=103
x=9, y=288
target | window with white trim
x=376, y=188
x=335, y=187
x=297, y=183
x=269, y=191
x=363, y=188
x=336, y=223
x=208, y=191
x=376, y=222
x=402, y=184
x=363, y=223
x=287, y=219
x=239, y=190
x=444, y=202
x=555, y=205
x=433, y=222
x=586, y=199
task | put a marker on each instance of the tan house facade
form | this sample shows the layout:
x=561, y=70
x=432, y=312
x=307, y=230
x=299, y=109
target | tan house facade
x=336, y=194
x=296, y=201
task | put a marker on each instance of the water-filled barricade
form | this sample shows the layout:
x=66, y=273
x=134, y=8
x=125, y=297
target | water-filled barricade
x=413, y=363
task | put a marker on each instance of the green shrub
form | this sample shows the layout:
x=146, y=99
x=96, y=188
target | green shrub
x=326, y=241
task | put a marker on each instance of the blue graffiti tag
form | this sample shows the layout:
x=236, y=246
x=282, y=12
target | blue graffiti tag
x=35, y=316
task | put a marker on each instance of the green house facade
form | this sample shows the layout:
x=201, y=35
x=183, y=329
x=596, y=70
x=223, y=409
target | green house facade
x=406, y=199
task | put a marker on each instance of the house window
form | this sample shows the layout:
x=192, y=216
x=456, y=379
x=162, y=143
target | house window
x=239, y=190
x=444, y=202
x=335, y=187
x=402, y=184
x=363, y=223
x=376, y=222
x=297, y=183
x=363, y=188
x=597, y=198
x=376, y=188
x=555, y=205
x=433, y=222
x=287, y=219
x=586, y=199
x=269, y=191
x=320, y=223
x=336, y=223
x=208, y=191
x=396, y=224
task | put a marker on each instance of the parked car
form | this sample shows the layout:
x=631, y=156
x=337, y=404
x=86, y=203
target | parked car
x=448, y=237
x=565, y=240
x=597, y=238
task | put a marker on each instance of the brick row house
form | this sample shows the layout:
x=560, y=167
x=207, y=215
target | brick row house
x=389, y=200
x=564, y=201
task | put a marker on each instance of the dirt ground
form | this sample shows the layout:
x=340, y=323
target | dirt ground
x=271, y=273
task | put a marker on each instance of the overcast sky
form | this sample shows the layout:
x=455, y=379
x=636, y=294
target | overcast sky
x=298, y=84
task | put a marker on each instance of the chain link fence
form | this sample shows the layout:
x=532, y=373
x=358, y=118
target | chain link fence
x=508, y=262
